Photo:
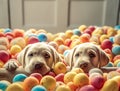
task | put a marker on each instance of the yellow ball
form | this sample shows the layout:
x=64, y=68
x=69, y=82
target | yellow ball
x=69, y=33
x=81, y=79
x=103, y=37
x=77, y=70
x=15, y=87
x=1, y=64
x=69, y=76
x=63, y=88
x=15, y=49
x=60, y=67
x=82, y=28
x=48, y=82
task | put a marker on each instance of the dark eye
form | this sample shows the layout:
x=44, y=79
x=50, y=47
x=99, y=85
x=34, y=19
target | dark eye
x=77, y=55
x=31, y=54
x=46, y=55
x=91, y=55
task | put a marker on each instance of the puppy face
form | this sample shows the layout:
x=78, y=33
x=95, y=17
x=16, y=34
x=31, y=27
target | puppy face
x=86, y=56
x=38, y=57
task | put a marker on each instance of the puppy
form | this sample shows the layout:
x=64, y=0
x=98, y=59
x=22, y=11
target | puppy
x=39, y=57
x=86, y=56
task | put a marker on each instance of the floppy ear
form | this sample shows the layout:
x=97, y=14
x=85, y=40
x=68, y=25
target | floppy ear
x=69, y=57
x=56, y=55
x=103, y=58
x=22, y=54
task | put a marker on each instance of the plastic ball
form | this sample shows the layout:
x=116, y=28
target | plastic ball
x=116, y=50
x=117, y=27
x=110, y=64
x=103, y=37
x=97, y=81
x=76, y=32
x=77, y=70
x=32, y=40
x=54, y=44
x=112, y=74
x=29, y=83
x=69, y=33
x=7, y=30
x=42, y=37
x=18, y=32
x=88, y=88
x=60, y=67
x=84, y=38
x=19, y=77
x=37, y=75
x=4, y=84
x=15, y=87
x=1, y=64
x=59, y=41
x=38, y=88
x=18, y=41
x=63, y=88
x=69, y=76
x=118, y=64
x=72, y=86
x=81, y=79
x=15, y=49
x=82, y=28
x=111, y=39
x=60, y=77
x=106, y=44
x=4, y=56
x=117, y=39
x=48, y=82
x=95, y=70
x=62, y=48
x=4, y=41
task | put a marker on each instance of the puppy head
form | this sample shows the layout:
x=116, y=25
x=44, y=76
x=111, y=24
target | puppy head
x=39, y=57
x=86, y=56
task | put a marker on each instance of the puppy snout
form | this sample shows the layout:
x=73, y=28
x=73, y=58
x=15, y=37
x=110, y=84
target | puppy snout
x=84, y=65
x=39, y=66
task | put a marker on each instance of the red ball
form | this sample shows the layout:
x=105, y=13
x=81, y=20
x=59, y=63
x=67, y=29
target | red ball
x=106, y=44
x=32, y=40
x=60, y=77
x=18, y=33
x=37, y=75
x=4, y=56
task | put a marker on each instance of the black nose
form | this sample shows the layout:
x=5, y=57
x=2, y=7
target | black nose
x=39, y=66
x=84, y=65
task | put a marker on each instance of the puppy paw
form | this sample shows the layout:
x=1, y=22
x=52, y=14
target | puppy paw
x=11, y=65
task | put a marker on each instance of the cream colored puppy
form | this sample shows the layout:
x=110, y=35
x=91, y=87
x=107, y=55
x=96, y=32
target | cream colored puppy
x=39, y=57
x=86, y=56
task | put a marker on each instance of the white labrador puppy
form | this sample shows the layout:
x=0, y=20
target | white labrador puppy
x=39, y=57
x=86, y=56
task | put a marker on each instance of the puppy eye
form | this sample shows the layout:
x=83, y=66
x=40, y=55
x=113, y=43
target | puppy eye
x=31, y=54
x=46, y=55
x=91, y=55
x=77, y=55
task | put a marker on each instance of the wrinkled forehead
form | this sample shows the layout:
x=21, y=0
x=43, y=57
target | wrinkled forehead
x=86, y=47
x=39, y=47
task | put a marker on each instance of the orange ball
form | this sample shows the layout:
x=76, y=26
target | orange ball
x=59, y=41
x=84, y=38
x=18, y=32
x=29, y=83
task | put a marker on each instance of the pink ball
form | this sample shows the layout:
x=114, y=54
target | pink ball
x=60, y=77
x=97, y=81
x=4, y=56
x=32, y=40
x=106, y=44
x=87, y=88
x=37, y=75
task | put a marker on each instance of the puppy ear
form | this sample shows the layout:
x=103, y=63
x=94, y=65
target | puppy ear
x=22, y=54
x=104, y=59
x=56, y=55
x=69, y=57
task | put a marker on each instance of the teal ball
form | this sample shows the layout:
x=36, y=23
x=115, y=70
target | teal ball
x=118, y=64
x=117, y=27
x=42, y=37
x=110, y=64
x=111, y=39
x=76, y=32
x=19, y=77
x=7, y=30
x=116, y=50
x=4, y=84
x=39, y=88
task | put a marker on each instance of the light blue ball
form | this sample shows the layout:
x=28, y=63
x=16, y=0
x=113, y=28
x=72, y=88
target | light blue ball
x=4, y=84
x=111, y=39
x=117, y=27
x=110, y=64
x=19, y=77
x=42, y=37
x=7, y=30
x=39, y=88
x=76, y=32
x=116, y=50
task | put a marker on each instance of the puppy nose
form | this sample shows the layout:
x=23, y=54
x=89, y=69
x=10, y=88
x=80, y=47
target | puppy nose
x=38, y=66
x=84, y=65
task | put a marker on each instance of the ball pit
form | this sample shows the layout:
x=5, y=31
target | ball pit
x=106, y=37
